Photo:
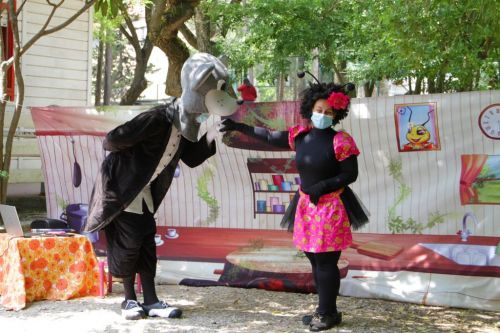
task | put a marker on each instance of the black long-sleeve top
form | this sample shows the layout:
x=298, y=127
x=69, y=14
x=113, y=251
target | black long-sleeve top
x=315, y=158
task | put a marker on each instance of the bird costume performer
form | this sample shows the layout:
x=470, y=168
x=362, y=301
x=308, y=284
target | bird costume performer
x=324, y=208
x=137, y=173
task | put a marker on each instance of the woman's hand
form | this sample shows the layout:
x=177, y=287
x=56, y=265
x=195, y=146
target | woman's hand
x=315, y=192
x=231, y=125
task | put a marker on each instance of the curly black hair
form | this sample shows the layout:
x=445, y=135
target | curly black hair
x=318, y=91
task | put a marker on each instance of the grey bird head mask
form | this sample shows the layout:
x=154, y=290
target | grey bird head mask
x=203, y=81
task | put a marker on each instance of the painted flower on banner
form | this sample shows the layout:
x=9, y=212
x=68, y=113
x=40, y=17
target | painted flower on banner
x=338, y=100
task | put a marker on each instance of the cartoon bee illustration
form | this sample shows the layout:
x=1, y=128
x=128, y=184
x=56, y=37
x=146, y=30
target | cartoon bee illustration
x=418, y=135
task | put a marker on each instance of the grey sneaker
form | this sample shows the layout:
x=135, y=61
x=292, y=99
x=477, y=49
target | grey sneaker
x=162, y=309
x=131, y=310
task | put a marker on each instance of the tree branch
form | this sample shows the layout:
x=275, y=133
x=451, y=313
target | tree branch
x=44, y=32
x=132, y=36
x=173, y=20
x=189, y=36
x=154, y=15
x=20, y=7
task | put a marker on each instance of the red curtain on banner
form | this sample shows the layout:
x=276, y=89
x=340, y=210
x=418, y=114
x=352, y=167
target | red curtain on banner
x=471, y=168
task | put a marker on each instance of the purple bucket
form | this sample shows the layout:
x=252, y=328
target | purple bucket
x=76, y=215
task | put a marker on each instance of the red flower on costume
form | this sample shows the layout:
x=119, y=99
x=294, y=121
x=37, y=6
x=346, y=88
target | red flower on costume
x=338, y=100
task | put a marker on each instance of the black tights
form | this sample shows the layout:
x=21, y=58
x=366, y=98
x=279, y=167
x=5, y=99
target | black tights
x=326, y=276
x=148, y=288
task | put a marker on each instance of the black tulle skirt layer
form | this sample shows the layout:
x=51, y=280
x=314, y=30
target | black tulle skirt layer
x=357, y=212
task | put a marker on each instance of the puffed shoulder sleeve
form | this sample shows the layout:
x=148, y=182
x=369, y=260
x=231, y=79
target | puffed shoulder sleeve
x=293, y=132
x=344, y=146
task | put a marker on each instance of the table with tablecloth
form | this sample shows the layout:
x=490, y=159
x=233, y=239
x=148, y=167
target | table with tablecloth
x=52, y=268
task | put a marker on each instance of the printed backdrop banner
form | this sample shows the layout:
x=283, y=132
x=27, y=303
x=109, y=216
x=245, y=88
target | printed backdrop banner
x=426, y=171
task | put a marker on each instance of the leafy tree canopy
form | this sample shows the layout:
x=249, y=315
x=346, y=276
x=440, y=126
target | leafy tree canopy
x=452, y=44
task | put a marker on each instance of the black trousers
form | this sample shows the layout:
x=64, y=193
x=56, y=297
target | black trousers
x=327, y=279
x=131, y=244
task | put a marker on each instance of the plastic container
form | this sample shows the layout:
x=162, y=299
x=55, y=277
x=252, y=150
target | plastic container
x=76, y=216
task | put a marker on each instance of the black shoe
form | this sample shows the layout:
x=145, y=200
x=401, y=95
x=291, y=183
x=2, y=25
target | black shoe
x=131, y=310
x=306, y=320
x=162, y=309
x=325, y=322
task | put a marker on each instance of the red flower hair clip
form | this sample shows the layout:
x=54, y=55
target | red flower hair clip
x=338, y=100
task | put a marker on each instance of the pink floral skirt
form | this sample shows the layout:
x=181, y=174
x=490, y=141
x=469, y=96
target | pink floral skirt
x=323, y=227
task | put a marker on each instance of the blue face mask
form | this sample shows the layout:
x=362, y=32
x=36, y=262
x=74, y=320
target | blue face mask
x=202, y=117
x=321, y=121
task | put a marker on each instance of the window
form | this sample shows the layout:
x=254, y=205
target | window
x=480, y=179
x=8, y=47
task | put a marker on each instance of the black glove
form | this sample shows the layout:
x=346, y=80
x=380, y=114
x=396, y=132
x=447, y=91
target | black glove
x=315, y=192
x=231, y=125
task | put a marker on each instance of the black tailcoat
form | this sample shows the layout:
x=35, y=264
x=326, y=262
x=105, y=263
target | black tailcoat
x=136, y=148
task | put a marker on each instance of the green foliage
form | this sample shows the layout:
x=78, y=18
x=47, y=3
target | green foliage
x=4, y=174
x=396, y=223
x=456, y=39
x=453, y=44
x=205, y=195
x=107, y=7
x=106, y=29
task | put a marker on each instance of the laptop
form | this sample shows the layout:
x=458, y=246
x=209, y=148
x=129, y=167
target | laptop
x=13, y=225
x=11, y=220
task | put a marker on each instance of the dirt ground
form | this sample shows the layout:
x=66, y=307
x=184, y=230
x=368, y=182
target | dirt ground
x=233, y=310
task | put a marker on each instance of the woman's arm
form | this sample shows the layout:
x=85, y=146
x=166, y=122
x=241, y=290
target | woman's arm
x=347, y=175
x=274, y=138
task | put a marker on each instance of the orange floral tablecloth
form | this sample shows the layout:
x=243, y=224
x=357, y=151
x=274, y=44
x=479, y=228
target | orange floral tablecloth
x=54, y=268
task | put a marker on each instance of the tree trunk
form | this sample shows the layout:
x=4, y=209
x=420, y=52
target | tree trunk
x=431, y=85
x=280, y=88
x=368, y=88
x=16, y=62
x=440, y=83
x=418, y=86
x=13, y=126
x=163, y=29
x=98, y=79
x=108, y=64
x=203, y=31
x=139, y=82
x=301, y=84
x=177, y=54
x=3, y=102
x=339, y=71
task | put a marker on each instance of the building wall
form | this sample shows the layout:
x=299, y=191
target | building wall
x=57, y=71
x=57, y=68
